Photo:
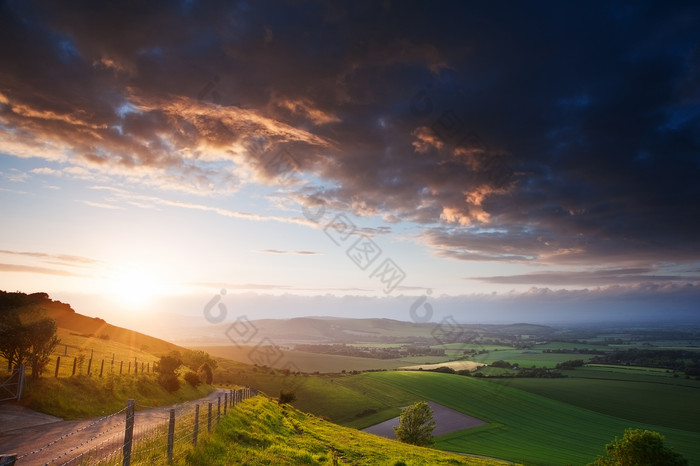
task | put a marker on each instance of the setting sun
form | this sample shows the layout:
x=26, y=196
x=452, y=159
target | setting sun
x=135, y=287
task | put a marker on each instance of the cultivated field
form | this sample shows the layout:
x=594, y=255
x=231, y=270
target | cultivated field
x=523, y=426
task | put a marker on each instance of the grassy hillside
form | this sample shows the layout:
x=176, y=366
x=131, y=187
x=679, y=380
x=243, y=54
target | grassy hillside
x=105, y=357
x=94, y=327
x=259, y=431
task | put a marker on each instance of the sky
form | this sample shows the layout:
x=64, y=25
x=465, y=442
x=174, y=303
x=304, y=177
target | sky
x=488, y=161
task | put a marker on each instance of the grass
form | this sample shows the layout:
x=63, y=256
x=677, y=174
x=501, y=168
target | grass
x=528, y=358
x=325, y=363
x=524, y=427
x=82, y=396
x=675, y=406
x=259, y=431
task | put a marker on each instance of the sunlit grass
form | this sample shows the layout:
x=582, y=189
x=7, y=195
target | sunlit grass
x=259, y=431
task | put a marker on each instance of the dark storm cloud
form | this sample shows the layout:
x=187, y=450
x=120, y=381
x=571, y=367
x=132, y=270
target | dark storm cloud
x=545, y=132
x=592, y=278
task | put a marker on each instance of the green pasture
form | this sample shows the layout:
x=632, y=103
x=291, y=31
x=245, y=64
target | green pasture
x=527, y=358
x=565, y=345
x=632, y=374
x=673, y=406
x=523, y=426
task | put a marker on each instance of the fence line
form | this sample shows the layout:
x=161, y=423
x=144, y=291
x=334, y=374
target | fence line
x=170, y=434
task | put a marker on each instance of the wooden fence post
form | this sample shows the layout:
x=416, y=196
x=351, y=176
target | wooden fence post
x=75, y=363
x=128, y=370
x=218, y=409
x=171, y=434
x=128, y=434
x=58, y=364
x=121, y=366
x=89, y=365
x=196, y=425
x=225, y=402
x=209, y=419
x=102, y=367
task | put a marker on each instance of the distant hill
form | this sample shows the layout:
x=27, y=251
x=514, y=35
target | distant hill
x=67, y=318
x=367, y=330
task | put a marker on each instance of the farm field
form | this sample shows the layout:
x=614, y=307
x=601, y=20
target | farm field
x=678, y=406
x=317, y=362
x=527, y=358
x=523, y=426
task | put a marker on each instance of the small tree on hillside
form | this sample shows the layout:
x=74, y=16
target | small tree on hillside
x=639, y=447
x=206, y=375
x=13, y=345
x=42, y=336
x=416, y=425
x=167, y=365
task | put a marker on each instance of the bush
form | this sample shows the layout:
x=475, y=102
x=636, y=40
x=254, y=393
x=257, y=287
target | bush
x=206, y=375
x=639, y=447
x=170, y=382
x=286, y=397
x=192, y=378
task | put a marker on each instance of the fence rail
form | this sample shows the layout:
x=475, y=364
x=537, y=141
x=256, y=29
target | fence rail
x=121, y=439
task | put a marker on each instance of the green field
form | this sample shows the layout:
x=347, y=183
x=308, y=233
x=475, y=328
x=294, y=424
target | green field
x=527, y=358
x=317, y=362
x=667, y=405
x=524, y=427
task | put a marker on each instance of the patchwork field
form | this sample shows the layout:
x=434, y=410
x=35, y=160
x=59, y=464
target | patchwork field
x=523, y=426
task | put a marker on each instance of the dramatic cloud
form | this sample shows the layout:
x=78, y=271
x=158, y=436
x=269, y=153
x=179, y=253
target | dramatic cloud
x=549, y=133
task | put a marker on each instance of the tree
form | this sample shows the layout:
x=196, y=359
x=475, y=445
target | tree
x=416, y=425
x=12, y=338
x=192, y=378
x=27, y=338
x=41, y=334
x=167, y=365
x=639, y=448
x=206, y=374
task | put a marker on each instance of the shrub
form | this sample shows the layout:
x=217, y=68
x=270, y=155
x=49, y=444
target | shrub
x=170, y=382
x=192, y=378
x=286, y=397
x=206, y=375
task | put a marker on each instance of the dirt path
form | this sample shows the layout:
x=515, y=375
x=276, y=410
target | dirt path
x=446, y=420
x=40, y=438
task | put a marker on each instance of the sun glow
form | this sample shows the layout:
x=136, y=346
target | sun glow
x=135, y=286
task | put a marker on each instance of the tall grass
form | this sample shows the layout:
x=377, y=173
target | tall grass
x=82, y=396
x=259, y=431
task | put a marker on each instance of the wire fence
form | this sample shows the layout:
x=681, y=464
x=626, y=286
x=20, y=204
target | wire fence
x=125, y=437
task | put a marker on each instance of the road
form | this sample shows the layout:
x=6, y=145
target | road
x=40, y=439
